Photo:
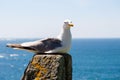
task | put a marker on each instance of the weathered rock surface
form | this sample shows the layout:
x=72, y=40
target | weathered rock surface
x=49, y=67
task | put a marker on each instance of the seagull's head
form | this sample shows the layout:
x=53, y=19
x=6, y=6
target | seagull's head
x=68, y=24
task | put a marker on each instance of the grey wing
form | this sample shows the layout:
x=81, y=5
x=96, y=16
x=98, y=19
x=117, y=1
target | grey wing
x=43, y=45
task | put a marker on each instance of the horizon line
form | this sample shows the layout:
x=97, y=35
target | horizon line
x=53, y=37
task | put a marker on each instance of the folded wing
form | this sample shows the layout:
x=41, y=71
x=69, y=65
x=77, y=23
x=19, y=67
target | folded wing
x=39, y=46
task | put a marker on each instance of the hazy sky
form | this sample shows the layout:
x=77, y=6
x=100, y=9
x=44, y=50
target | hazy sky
x=44, y=18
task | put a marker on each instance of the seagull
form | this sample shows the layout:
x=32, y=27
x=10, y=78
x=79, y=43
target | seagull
x=59, y=44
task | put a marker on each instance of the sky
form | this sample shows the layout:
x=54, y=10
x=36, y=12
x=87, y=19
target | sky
x=44, y=18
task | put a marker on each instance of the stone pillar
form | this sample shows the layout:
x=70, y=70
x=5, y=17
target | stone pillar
x=52, y=66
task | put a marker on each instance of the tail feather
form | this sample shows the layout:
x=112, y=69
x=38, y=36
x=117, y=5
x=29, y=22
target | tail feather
x=18, y=46
x=13, y=45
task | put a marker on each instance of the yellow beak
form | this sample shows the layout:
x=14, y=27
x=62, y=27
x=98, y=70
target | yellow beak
x=71, y=25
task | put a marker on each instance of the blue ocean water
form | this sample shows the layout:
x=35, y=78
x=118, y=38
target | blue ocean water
x=93, y=59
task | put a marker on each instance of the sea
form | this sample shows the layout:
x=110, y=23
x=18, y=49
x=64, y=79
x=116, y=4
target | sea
x=92, y=59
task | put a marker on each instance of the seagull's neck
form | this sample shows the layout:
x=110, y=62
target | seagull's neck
x=65, y=35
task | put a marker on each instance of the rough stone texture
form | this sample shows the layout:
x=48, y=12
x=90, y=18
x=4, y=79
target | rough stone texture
x=49, y=67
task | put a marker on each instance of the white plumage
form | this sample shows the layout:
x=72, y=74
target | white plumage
x=60, y=44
